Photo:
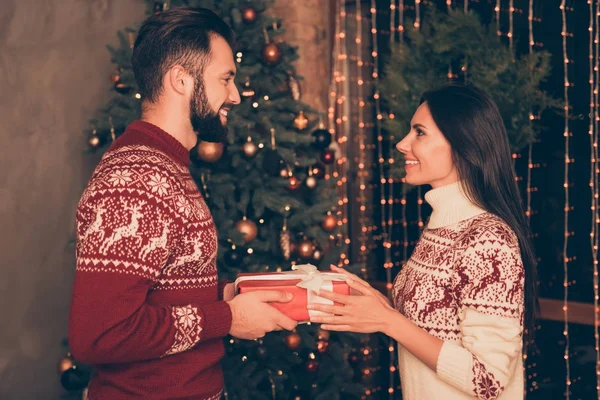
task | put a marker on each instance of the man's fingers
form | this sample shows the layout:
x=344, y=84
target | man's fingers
x=286, y=322
x=273, y=296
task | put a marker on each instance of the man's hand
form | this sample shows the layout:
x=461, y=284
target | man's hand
x=253, y=317
x=228, y=292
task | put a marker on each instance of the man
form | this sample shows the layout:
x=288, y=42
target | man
x=147, y=310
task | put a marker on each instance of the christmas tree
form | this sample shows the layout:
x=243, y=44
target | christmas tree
x=270, y=196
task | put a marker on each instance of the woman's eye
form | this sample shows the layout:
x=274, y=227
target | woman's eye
x=419, y=132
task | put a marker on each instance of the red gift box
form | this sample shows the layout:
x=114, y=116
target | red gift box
x=296, y=283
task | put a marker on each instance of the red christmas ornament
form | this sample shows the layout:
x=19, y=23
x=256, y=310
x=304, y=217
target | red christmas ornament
x=312, y=366
x=328, y=157
x=294, y=183
x=249, y=15
x=322, y=346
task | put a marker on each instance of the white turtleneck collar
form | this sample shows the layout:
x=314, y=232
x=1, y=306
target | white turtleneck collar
x=450, y=205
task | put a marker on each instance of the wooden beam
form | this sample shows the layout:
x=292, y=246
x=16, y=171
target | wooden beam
x=577, y=313
x=550, y=309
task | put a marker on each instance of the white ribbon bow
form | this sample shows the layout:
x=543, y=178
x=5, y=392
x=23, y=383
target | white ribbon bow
x=311, y=278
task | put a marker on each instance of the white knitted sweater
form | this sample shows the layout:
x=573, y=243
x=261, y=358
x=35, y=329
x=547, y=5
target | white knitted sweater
x=464, y=285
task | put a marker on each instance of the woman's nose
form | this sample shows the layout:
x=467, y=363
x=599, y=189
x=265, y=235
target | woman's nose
x=403, y=146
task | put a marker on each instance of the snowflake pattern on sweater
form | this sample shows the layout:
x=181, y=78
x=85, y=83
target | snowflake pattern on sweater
x=147, y=309
x=473, y=265
x=133, y=183
x=138, y=181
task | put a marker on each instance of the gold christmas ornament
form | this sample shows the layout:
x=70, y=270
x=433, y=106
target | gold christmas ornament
x=317, y=255
x=311, y=182
x=306, y=249
x=115, y=77
x=249, y=15
x=65, y=363
x=247, y=90
x=330, y=222
x=131, y=36
x=323, y=334
x=294, y=87
x=94, y=141
x=300, y=122
x=285, y=241
x=286, y=172
x=122, y=88
x=271, y=53
x=293, y=341
x=249, y=148
x=318, y=171
x=248, y=229
x=210, y=152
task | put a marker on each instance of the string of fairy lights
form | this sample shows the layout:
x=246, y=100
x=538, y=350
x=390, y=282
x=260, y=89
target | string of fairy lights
x=347, y=101
x=593, y=133
x=511, y=11
x=597, y=189
x=341, y=109
x=530, y=45
x=417, y=26
x=567, y=206
x=362, y=172
x=337, y=121
x=497, y=10
x=386, y=225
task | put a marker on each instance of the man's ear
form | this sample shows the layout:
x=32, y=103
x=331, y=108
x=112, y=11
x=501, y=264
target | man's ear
x=179, y=80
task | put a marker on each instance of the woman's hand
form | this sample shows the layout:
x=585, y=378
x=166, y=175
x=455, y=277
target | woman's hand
x=366, y=313
x=379, y=295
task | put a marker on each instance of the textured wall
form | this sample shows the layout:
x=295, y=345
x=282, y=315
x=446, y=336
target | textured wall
x=54, y=71
x=307, y=23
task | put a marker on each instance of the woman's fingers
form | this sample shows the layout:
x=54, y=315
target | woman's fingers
x=331, y=309
x=349, y=274
x=362, y=289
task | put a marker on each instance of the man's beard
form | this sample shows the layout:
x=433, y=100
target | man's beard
x=204, y=120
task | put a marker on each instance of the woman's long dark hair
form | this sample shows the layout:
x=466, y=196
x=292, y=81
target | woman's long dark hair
x=471, y=122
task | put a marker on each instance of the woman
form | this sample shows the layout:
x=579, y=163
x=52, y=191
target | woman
x=467, y=294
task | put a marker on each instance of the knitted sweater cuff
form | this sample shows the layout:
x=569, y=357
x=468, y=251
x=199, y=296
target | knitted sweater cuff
x=221, y=288
x=454, y=365
x=217, y=319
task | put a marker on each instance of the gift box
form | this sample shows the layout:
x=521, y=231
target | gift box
x=302, y=282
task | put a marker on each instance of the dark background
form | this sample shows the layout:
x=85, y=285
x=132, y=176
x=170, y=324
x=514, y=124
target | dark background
x=546, y=367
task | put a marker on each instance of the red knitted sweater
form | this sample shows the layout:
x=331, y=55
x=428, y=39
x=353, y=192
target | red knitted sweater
x=146, y=309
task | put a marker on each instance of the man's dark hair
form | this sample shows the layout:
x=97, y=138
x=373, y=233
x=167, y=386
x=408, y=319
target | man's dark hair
x=177, y=36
